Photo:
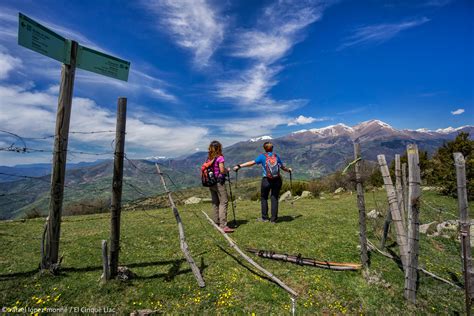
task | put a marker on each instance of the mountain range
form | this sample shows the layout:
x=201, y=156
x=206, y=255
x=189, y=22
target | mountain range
x=311, y=153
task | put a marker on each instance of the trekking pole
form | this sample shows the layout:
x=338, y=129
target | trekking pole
x=232, y=199
x=236, y=175
x=291, y=188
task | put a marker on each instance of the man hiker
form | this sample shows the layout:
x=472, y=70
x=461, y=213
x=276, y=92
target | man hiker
x=271, y=180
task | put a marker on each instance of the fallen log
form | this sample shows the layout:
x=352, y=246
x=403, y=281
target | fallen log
x=256, y=265
x=338, y=266
x=182, y=238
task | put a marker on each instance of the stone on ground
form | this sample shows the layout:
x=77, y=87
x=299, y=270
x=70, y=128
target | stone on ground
x=285, y=196
x=193, y=200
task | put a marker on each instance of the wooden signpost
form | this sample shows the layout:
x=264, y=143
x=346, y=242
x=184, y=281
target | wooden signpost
x=40, y=39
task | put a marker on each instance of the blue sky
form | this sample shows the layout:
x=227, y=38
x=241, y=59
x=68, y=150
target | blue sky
x=232, y=70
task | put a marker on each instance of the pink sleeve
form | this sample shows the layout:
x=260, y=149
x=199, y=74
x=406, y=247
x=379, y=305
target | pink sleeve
x=220, y=159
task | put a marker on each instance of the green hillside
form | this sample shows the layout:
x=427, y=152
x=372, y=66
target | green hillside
x=325, y=229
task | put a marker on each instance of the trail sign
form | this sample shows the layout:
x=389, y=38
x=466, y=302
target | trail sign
x=40, y=39
x=103, y=64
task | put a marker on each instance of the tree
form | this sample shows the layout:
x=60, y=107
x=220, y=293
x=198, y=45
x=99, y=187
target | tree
x=425, y=164
x=443, y=172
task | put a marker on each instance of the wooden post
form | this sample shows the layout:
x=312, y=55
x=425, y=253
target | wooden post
x=105, y=262
x=116, y=206
x=405, y=186
x=182, y=238
x=414, y=196
x=386, y=227
x=399, y=188
x=464, y=229
x=63, y=117
x=394, y=210
x=361, y=205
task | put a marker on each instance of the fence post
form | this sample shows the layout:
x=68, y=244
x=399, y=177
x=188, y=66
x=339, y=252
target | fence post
x=395, y=211
x=116, y=206
x=399, y=188
x=361, y=204
x=414, y=196
x=182, y=237
x=105, y=262
x=464, y=229
x=63, y=117
x=405, y=186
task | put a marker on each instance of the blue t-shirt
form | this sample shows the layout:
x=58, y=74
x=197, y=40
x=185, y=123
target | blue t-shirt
x=261, y=160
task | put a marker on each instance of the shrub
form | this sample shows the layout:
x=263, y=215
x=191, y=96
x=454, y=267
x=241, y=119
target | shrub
x=316, y=187
x=298, y=187
x=33, y=213
x=255, y=196
x=87, y=207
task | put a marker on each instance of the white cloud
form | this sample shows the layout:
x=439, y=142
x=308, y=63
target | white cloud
x=253, y=126
x=33, y=114
x=193, y=24
x=8, y=63
x=250, y=86
x=457, y=112
x=379, y=33
x=302, y=120
x=278, y=29
x=162, y=94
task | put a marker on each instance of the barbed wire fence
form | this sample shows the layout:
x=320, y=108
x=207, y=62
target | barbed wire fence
x=135, y=195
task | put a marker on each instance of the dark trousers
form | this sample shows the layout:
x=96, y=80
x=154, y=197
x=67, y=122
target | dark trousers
x=273, y=186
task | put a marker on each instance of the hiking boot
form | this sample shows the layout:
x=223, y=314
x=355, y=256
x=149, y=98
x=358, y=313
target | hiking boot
x=227, y=230
x=262, y=220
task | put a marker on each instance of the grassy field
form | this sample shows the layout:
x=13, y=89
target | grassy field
x=325, y=229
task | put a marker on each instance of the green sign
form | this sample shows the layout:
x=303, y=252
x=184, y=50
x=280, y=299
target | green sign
x=40, y=39
x=103, y=64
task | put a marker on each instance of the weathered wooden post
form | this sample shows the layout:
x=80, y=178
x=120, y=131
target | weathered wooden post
x=116, y=206
x=63, y=118
x=399, y=188
x=394, y=210
x=405, y=186
x=464, y=229
x=105, y=262
x=182, y=237
x=361, y=205
x=414, y=196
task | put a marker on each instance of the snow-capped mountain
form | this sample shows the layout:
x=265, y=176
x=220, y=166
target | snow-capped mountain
x=328, y=131
x=257, y=139
x=376, y=129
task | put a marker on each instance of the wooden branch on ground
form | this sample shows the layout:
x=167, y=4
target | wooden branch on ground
x=256, y=265
x=338, y=266
x=182, y=238
x=434, y=276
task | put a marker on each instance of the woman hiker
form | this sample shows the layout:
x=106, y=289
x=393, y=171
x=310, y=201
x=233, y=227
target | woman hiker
x=271, y=180
x=218, y=190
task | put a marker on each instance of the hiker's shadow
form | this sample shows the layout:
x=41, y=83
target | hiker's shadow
x=288, y=218
x=238, y=223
